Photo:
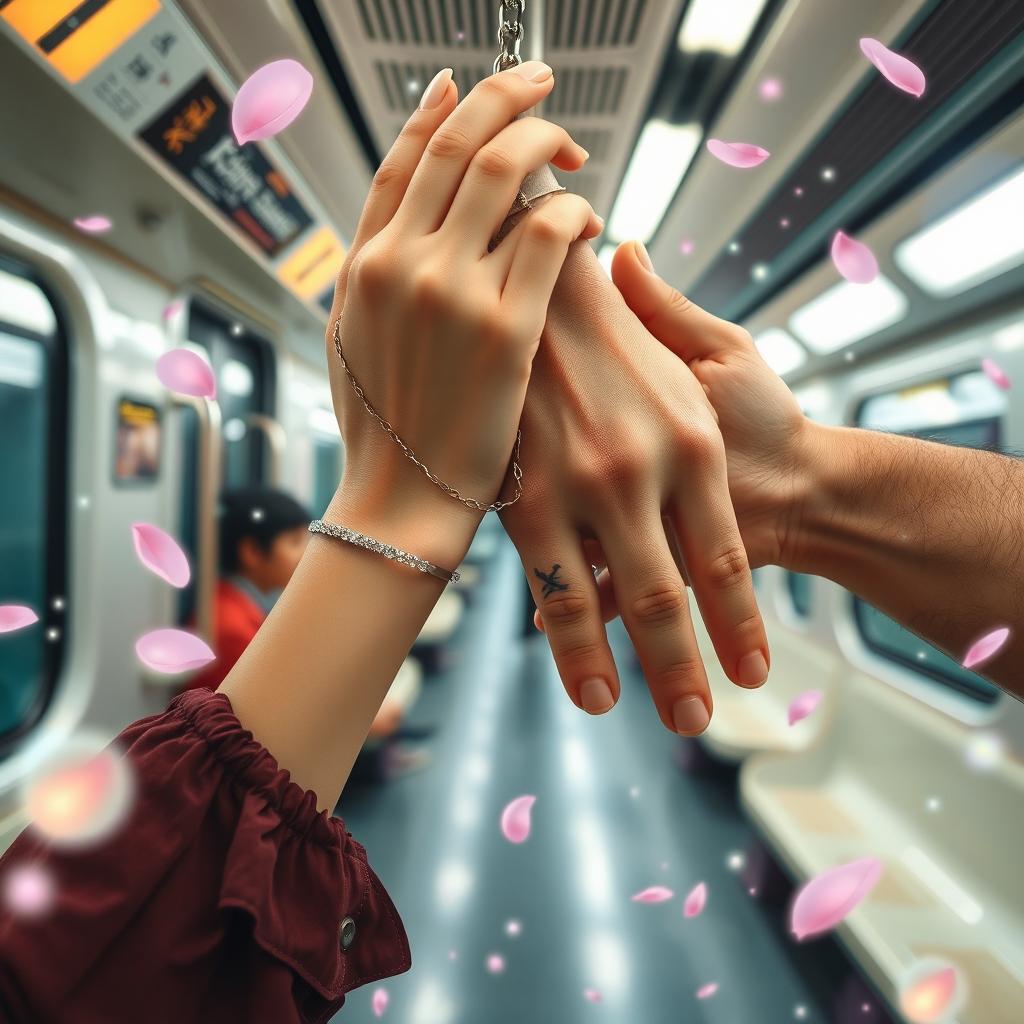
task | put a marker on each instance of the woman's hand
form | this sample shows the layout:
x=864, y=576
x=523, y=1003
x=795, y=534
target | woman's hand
x=439, y=332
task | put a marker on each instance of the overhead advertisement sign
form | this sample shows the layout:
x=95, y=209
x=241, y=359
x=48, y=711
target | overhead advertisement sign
x=74, y=36
x=193, y=136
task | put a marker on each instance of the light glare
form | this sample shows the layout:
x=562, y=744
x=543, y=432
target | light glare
x=847, y=312
x=713, y=25
x=780, y=350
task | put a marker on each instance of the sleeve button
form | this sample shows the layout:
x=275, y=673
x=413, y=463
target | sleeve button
x=347, y=932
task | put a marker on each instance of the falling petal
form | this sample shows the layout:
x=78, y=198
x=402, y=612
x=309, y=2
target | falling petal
x=930, y=991
x=770, y=90
x=804, y=704
x=270, y=99
x=515, y=819
x=184, y=371
x=173, y=309
x=379, y=1001
x=593, y=995
x=81, y=795
x=853, y=259
x=695, y=900
x=159, y=552
x=987, y=647
x=28, y=890
x=97, y=224
x=903, y=73
x=653, y=894
x=16, y=616
x=996, y=374
x=495, y=963
x=707, y=991
x=824, y=901
x=172, y=650
x=737, y=154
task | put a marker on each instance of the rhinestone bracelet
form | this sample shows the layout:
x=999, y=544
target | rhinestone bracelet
x=380, y=548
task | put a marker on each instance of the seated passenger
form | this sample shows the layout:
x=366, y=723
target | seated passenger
x=263, y=533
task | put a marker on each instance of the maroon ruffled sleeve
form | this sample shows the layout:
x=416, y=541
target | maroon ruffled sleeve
x=226, y=896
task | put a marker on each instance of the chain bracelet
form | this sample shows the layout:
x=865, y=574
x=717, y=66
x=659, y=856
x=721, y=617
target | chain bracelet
x=496, y=506
x=510, y=34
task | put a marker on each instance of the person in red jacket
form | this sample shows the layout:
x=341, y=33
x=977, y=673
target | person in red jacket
x=263, y=533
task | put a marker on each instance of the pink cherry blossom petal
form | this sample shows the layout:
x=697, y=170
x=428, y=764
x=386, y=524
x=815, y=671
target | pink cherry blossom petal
x=379, y=1001
x=515, y=819
x=96, y=224
x=16, y=616
x=495, y=963
x=737, y=154
x=695, y=900
x=653, y=894
x=853, y=259
x=593, y=995
x=931, y=991
x=708, y=990
x=270, y=99
x=28, y=890
x=172, y=650
x=173, y=309
x=804, y=704
x=903, y=73
x=184, y=371
x=987, y=647
x=79, y=796
x=824, y=901
x=159, y=552
x=996, y=374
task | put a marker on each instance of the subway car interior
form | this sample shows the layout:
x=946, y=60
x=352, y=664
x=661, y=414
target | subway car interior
x=132, y=223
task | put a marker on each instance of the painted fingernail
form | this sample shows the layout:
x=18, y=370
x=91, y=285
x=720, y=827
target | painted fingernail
x=596, y=696
x=753, y=669
x=533, y=71
x=644, y=257
x=690, y=716
x=434, y=93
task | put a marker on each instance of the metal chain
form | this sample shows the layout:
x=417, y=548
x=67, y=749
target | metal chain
x=517, y=471
x=510, y=34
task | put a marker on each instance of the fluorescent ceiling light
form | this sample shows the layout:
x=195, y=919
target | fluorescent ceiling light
x=720, y=26
x=25, y=305
x=781, y=351
x=848, y=312
x=977, y=241
x=605, y=257
x=660, y=160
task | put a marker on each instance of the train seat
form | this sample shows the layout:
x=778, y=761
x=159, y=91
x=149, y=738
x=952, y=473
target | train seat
x=749, y=721
x=889, y=779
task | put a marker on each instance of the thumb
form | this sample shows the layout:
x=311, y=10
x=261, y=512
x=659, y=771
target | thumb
x=679, y=324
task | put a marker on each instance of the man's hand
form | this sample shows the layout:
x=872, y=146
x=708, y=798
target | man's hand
x=617, y=434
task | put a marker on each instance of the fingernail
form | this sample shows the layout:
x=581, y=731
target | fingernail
x=596, y=696
x=533, y=71
x=434, y=93
x=644, y=257
x=753, y=669
x=690, y=716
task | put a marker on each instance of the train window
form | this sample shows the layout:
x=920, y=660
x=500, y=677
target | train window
x=327, y=456
x=33, y=410
x=967, y=409
x=799, y=586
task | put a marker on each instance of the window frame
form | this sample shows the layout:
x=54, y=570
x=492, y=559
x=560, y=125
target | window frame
x=57, y=362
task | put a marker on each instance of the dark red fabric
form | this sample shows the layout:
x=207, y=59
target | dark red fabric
x=219, y=900
x=236, y=620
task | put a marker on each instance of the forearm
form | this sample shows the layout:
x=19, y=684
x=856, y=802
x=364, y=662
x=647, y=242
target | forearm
x=932, y=535
x=311, y=682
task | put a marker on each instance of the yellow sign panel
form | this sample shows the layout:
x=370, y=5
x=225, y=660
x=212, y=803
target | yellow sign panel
x=314, y=265
x=76, y=35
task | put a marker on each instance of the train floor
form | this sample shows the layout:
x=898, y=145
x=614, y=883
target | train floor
x=621, y=805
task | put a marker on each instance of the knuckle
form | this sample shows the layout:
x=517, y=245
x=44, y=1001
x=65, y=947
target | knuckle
x=700, y=444
x=390, y=174
x=680, y=673
x=501, y=87
x=677, y=303
x=729, y=568
x=372, y=271
x=547, y=229
x=564, y=610
x=659, y=602
x=430, y=291
x=448, y=142
x=740, y=335
x=493, y=162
